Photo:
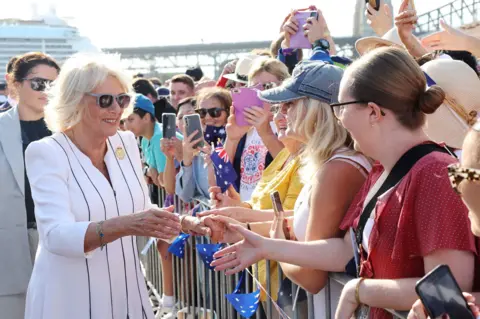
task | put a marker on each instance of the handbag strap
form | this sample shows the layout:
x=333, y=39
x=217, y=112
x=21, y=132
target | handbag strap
x=401, y=168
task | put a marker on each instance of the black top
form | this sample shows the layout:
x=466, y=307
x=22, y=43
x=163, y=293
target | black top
x=31, y=131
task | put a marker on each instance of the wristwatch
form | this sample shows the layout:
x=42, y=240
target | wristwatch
x=322, y=44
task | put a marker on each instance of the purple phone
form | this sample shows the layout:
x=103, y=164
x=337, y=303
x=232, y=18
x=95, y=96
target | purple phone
x=299, y=40
x=244, y=98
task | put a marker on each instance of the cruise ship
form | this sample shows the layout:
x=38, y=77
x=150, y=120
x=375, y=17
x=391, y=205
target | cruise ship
x=45, y=33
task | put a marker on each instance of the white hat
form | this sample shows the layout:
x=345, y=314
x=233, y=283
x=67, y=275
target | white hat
x=453, y=119
x=242, y=69
x=389, y=39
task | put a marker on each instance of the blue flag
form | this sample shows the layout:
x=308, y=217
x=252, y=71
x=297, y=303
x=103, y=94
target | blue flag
x=213, y=134
x=245, y=304
x=224, y=171
x=178, y=245
x=206, y=252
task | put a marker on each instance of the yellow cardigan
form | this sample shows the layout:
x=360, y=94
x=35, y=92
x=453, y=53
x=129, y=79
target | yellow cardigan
x=287, y=182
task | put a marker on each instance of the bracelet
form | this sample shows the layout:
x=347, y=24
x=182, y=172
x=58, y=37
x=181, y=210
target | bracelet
x=357, y=291
x=100, y=233
x=181, y=222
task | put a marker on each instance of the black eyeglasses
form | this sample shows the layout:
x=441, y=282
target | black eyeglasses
x=106, y=100
x=213, y=112
x=39, y=84
x=338, y=108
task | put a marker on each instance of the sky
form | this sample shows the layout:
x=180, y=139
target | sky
x=118, y=23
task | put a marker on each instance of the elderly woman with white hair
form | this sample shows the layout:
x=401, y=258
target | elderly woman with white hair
x=90, y=200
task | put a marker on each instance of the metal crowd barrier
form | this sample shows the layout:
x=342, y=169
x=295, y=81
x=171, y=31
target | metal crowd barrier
x=194, y=284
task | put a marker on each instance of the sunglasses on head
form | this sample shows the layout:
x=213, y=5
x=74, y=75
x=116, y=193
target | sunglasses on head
x=106, y=100
x=213, y=112
x=39, y=84
x=458, y=174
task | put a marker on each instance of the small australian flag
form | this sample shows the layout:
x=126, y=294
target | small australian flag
x=224, y=171
x=214, y=134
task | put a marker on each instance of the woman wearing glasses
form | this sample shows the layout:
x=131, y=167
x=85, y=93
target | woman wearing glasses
x=212, y=104
x=90, y=200
x=20, y=126
x=406, y=218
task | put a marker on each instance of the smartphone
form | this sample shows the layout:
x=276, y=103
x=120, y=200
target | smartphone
x=169, y=125
x=193, y=123
x=374, y=3
x=299, y=40
x=276, y=202
x=244, y=98
x=441, y=295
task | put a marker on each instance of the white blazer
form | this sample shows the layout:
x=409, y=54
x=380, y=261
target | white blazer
x=69, y=193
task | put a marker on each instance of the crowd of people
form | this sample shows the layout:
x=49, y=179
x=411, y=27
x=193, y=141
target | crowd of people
x=376, y=162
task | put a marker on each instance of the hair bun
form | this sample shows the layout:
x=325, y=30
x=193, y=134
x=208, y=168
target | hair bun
x=431, y=99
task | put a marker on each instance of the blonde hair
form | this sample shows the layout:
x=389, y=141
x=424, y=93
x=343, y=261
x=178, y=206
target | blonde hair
x=316, y=122
x=81, y=74
x=269, y=65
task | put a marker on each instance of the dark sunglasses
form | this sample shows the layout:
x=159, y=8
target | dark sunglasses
x=264, y=86
x=458, y=174
x=338, y=108
x=106, y=100
x=213, y=112
x=39, y=84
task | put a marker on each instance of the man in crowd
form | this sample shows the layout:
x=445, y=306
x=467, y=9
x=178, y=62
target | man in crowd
x=161, y=104
x=181, y=86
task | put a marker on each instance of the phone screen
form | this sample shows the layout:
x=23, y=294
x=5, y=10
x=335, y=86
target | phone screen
x=441, y=295
x=277, y=203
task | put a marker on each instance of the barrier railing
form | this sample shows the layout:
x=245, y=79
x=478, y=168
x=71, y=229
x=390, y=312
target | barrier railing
x=200, y=292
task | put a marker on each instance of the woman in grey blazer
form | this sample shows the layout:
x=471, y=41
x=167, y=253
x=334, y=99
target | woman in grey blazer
x=19, y=126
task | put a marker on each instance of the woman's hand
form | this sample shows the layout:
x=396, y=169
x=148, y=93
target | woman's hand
x=178, y=146
x=234, y=131
x=193, y=225
x=348, y=303
x=290, y=28
x=154, y=222
x=229, y=68
x=316, y=29
x=405, y=21
x=167, y=147
x=380, y=21
x=280, y=228
x=231, y=212
x=241, y=255
x=259, y=117
x=231, y=198
x=418, y=311
x=189, y=148
x=448, y=39
x=219, y=228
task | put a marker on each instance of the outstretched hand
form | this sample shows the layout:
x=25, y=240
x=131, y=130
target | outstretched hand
x=241, y=255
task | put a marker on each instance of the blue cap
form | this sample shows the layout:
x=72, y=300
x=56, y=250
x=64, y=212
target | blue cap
x=163, y=91
x=142, y=102
x=315, y=79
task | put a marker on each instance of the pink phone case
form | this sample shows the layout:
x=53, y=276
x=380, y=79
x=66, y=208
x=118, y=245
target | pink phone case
x=244, y=98
x=299, y=40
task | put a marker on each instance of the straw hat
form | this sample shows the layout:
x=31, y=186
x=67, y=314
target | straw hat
x=389, y=39
x=452, y=120
x=242, y=69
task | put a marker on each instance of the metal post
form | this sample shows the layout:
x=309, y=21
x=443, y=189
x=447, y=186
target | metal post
x=269, y=301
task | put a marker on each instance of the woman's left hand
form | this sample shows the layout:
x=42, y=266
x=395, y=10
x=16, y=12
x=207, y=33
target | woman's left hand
x=348, y=303
x=259, y=118
x=406, y=20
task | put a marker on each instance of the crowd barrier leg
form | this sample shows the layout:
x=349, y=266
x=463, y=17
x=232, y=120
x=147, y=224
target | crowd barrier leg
x=328, y=299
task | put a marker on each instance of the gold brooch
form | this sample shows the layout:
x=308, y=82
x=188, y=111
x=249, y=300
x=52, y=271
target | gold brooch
x=120, y=153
